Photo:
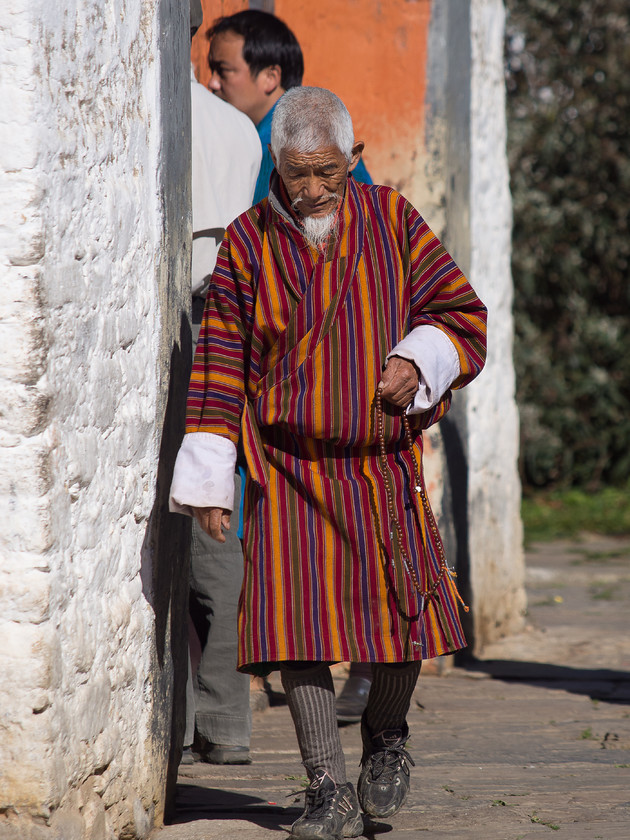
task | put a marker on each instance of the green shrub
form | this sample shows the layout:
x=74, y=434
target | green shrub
x=555, y=514
x=568, y=126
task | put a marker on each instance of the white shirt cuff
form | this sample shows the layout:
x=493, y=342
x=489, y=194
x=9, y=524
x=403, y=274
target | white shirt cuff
x=203, y=474
x=435, y=356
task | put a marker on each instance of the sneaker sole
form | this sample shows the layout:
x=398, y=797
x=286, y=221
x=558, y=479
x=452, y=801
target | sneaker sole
x=354, y=828
x=373, y=811
x=389, y=812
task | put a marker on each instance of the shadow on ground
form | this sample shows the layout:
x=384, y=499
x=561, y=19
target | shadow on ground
x=596, y=683
x=195, y=802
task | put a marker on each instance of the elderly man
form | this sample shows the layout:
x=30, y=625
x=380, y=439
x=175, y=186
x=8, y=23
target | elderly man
x=255, y=58
x=334, y=328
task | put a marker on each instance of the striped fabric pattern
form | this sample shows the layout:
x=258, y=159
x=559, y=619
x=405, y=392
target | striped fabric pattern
x=290, y=354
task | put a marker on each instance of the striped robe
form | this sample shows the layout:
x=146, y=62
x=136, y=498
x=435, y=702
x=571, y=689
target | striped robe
x=292, y=347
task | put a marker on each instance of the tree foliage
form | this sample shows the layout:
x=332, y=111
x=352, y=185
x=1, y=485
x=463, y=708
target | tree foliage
x=568, y=88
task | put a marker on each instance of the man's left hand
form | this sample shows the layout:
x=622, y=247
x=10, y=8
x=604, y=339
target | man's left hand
x=213, y=520
x=399, y=382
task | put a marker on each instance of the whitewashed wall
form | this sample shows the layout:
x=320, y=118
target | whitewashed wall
x=93, y=273
x=469, y=203
x=497, y=563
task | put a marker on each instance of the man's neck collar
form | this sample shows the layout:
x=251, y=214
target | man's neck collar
x=280, y=201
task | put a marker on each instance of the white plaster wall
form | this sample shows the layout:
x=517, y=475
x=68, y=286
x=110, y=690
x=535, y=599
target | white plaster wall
x=476, y=446
x=496, y=554
x=83, y=254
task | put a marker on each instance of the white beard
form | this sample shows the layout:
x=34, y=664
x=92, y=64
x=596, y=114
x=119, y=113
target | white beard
x=317, y=229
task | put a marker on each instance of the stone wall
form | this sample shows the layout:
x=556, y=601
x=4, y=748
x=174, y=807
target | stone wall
x=496, y=533
x=94, y=226
x=481, y=433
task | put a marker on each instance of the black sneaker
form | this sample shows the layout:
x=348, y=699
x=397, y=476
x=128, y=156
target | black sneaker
x=331, y=812
x=384, y=779
x=188, y=756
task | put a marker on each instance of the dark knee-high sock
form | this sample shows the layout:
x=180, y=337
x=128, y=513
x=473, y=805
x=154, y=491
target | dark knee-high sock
x=390, y=695
x=311, y=699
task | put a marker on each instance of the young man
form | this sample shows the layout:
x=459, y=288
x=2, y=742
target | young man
x=255, y=58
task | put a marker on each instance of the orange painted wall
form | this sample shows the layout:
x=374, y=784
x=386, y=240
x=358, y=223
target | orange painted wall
x=373, y=54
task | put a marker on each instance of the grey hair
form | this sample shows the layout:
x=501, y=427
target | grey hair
x=308, y=118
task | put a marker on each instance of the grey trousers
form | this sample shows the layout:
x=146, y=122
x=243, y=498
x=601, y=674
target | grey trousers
x=217, y=695
x=221, y=713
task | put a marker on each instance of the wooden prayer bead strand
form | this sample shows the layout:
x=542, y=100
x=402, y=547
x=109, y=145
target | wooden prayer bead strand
x=395, y=527
x=444, y=569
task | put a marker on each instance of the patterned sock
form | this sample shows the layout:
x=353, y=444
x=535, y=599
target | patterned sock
x=311, y=699
x=390, y=695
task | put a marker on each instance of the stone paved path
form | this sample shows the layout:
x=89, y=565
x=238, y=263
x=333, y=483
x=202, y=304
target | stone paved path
x=531, y=741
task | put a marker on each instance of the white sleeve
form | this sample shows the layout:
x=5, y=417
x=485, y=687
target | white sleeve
x=203, y=474
x=435, y=356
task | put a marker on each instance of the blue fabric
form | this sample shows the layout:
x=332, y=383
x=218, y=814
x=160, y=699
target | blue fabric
x=266, y=165
x=242, y=473
x=360, y=173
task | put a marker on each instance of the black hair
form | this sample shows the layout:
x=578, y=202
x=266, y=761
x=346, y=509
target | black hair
x=268, y=41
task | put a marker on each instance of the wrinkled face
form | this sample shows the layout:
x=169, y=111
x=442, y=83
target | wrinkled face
x=231, y=77
x=315, y=181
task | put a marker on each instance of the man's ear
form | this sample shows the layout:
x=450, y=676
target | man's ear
x=273, y=157
x=271, y=78
x=357, y=151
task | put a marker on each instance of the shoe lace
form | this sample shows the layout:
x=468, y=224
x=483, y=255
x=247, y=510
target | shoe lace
x=319, y=800
x=388, y=762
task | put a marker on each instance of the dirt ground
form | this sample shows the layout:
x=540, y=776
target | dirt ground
x=530, y=740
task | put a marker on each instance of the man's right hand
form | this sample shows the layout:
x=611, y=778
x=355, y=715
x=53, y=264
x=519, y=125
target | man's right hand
x=213, y=520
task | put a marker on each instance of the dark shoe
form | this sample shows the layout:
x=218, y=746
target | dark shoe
x=259, y=694
x=353, y=699
x=384, y=779
x=331, y=812
x=187, y=756
x=225, y=754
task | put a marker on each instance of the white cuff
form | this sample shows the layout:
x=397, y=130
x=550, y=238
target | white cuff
x=435, y=356
x=203, y=474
